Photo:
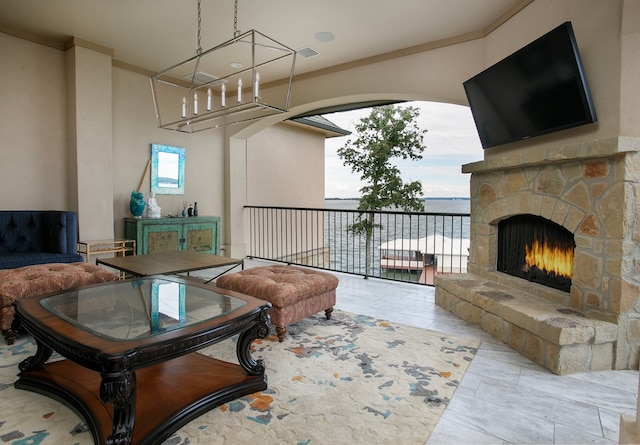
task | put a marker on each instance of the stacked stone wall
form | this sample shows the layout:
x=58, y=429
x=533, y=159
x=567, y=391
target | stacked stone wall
x=591, y=189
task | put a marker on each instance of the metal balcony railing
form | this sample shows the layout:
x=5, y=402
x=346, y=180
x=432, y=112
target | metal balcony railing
x=405, y=246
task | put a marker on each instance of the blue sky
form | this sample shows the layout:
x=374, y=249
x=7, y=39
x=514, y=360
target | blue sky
x=451, y=141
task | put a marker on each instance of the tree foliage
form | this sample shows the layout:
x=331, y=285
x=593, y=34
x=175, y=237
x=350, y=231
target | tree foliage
x=386, y=135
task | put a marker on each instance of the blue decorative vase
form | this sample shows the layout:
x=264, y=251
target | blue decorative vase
x=137, y=203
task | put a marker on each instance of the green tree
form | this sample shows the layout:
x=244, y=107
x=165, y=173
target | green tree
x=387, y=134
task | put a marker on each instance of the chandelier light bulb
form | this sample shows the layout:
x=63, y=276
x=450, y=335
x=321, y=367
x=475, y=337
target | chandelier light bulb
x=208, y=99
x=184, y=107
x=195, y=103
x=256, y=86
x=239, y=90
x=223, y=95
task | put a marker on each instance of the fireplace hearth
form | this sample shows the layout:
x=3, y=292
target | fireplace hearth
x=536, y=249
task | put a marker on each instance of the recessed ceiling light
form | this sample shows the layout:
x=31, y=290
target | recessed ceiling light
x=324, y=36
x=236, y=65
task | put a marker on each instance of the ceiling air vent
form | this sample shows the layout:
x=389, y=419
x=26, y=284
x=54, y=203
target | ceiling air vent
x=307, y=52
x=200, y=78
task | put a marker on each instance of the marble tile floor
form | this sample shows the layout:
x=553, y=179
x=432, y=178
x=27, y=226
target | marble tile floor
x=504, y=398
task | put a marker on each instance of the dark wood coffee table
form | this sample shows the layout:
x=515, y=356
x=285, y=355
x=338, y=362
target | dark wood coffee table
x=130, y=368
x=169, y=263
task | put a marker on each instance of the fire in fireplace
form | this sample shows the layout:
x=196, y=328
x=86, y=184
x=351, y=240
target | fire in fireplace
x=536, y=249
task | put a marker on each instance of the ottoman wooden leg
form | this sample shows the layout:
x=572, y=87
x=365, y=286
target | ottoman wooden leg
x=9, y=336
x=328, y=312
x=281, y=333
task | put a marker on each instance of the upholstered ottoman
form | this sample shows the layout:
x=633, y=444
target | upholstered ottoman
x=41, y=279
x=295, y=293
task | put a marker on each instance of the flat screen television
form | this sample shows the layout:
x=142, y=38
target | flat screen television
x=539, y=89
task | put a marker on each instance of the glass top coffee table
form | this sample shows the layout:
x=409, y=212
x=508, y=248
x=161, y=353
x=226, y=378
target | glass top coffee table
x=130, y=368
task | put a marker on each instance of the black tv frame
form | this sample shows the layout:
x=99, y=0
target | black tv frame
x=526, y=95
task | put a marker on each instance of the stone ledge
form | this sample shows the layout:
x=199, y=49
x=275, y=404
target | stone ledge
x=553, y=335
x=599, y=148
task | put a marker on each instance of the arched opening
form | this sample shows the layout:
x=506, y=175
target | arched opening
x=450, y=142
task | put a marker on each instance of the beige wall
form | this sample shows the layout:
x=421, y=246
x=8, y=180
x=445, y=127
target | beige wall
x=33, y=115
x=134, y=129
x=33, y=158
x=630, y=69
x=286, y=167
x=55, y=157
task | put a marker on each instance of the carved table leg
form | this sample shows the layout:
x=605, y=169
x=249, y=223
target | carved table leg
x=43, y=353
x=120, y=390
x=260, y=330
x=16, y=325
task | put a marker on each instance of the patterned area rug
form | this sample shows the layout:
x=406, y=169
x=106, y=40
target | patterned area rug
x=350, y=380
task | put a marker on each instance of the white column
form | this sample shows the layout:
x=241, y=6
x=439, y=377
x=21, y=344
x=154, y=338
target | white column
x=90, y=133
x=234, y=225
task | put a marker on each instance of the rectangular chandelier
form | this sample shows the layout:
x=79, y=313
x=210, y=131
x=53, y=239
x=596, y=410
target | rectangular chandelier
x=222, y=86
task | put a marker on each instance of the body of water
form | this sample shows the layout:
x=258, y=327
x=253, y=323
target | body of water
x=441, y=217
x=431, y=205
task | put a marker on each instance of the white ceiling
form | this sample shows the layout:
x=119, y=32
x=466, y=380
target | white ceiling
x=155, y=34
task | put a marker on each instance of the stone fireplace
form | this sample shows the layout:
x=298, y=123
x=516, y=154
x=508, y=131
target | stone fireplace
x=591, y=192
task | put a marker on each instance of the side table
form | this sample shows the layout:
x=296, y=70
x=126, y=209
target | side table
x=119, y=247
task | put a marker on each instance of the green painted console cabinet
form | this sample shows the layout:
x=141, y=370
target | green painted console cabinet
x=155, y=235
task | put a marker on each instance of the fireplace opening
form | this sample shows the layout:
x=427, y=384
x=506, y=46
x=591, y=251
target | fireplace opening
x=536, y=249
